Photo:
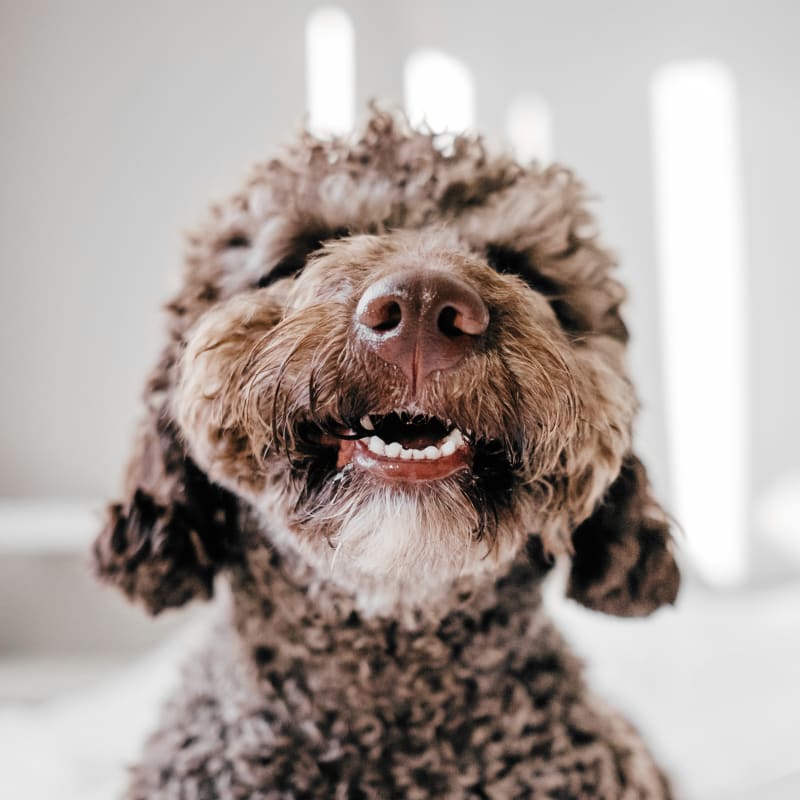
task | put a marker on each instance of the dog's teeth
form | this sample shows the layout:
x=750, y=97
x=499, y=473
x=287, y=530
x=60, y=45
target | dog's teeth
x=448, y=445
x=377, y=445
x=455, y=437
x=394, y=449
x=448, y=448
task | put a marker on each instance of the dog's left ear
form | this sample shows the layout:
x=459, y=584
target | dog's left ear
x=174, y=529
x=622, y=560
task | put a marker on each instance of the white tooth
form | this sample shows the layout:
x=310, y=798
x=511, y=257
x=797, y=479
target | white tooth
x=431, y=453
x=377, y=445
x=455, y=437
x=417, y=455
x=448, y=448
x=366, y=423
x=394, y=449
x=406, y=455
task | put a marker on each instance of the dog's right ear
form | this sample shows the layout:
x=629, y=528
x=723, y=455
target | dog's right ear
x=163, y=544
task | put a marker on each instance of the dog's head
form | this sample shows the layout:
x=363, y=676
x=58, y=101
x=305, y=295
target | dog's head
x=408, y=360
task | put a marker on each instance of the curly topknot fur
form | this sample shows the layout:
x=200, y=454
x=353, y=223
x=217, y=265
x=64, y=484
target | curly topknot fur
x=387, y=636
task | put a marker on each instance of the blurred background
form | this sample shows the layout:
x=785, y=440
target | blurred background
x=119, y=123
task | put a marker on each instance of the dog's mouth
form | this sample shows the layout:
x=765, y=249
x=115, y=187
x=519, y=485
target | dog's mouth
x=401, y=446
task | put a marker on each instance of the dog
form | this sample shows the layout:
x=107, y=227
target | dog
x=394, y=393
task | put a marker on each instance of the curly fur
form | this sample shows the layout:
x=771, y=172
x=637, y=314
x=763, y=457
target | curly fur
x=388, y=640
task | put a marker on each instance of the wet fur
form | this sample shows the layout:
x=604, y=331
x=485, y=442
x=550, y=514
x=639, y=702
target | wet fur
x=339, y=675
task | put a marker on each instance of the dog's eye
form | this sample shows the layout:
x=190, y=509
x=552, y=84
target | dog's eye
x=235, y=241
x=512, y=262
x=289, y=266
x=293, y=263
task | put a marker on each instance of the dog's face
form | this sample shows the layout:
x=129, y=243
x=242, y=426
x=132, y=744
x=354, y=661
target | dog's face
x=409, y=362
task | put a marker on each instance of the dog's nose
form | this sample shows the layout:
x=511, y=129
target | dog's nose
x=421, y=321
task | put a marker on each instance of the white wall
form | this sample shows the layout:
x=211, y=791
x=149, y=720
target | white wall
x=119, y=121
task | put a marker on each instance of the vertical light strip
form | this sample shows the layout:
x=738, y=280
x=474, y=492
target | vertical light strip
x=529, y=128
x=439, y=91
x=777, y=515
x=702, y=284
x=330, y=71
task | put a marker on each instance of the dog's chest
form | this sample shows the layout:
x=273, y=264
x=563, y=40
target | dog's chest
x=292, y=702
x=477, y=701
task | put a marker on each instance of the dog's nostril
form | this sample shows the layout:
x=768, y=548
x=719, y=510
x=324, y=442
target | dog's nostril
x=386, y=317
x=448, y=322
x=464, y=315
x=380, y=311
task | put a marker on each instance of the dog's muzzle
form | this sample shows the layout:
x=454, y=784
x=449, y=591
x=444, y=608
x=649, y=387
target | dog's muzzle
x=419, y=321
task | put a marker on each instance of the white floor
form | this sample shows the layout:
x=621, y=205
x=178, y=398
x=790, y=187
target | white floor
x=713, y=684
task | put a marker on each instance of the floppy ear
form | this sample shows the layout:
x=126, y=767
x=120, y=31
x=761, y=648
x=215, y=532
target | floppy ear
x=623, y=562
x=163, y=544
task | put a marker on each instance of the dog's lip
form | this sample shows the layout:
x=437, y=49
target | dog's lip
x=404, y=446
x=422, y=465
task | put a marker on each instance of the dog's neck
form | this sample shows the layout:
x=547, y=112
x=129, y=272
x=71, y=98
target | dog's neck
x=279, y=599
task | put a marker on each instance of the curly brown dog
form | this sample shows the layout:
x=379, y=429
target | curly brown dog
x=394, y=392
